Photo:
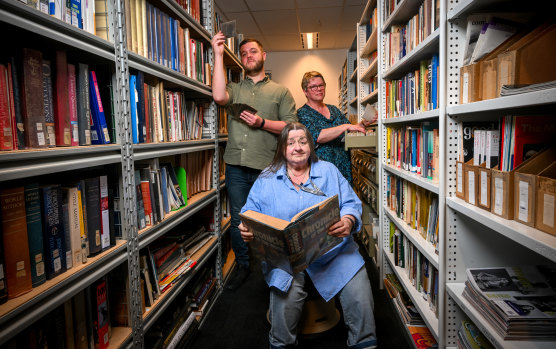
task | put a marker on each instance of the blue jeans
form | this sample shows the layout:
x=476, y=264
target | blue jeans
x=357, y=303
x=239, y=180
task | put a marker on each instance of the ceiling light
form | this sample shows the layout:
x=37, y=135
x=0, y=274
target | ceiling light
x=310, y=40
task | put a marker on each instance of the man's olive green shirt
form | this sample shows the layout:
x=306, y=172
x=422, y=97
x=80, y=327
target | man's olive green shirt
x=252, y=147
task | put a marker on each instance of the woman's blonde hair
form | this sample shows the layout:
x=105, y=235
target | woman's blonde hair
x=308, y=76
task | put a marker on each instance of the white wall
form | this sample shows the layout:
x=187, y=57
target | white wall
x=287, y=68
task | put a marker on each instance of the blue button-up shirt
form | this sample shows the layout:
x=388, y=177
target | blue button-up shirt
x=274, y=195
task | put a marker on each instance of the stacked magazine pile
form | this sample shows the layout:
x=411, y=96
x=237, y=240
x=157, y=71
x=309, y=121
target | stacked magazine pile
x=402, y=302
x=519, y=302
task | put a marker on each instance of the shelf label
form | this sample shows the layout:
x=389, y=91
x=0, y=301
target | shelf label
x=523, y=201
x=498, y=195
x=548, y=210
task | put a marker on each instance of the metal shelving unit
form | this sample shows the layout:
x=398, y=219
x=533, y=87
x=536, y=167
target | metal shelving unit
x=476, y=237
x=20, y=312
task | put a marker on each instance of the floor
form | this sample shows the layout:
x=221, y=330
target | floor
x=238, y=320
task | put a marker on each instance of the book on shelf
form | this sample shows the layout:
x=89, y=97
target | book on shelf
x=61, y=110
x=33, y=107
x=100, y=313
x=91, y=202
x=72, y=104
x=292, y=246
x=422, y=337
x=517, y=301
x=104, y=213
x=15, y=242
x=99, y=129
x=34, y=233
x=83, y=105
x=71, y=197
x=48, y=103
x=53, y=230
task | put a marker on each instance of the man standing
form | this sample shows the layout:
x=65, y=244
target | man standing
x=251, y=136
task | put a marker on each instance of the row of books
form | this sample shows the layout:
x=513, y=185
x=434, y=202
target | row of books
x=222, y=120
x=416, y=206
x=517, y=301
x=160, y=37
x=49, y=229
x=87, y=320
x=414, y=149
x=506, y=143
x=420, y=333
x=419, y=270
x=401, y=39
x=160, y=115
x=91, y=16
x=177, y=326
x=164, y=187
x=416, y=92
x=370, y=27
x=47, y=104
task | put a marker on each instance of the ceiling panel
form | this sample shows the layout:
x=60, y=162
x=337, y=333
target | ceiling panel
x=244, y=23
x=284, y=42
x=226, y=6
x=277, y=22
x=344, y=39
x=267, y=5
x=319, y=19
x=352, y=15
x=319, y=3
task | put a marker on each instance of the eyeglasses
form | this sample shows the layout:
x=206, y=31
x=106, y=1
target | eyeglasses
x=316, y=87
x=314, y=190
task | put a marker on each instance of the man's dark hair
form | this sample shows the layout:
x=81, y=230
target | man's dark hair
x=248, y=40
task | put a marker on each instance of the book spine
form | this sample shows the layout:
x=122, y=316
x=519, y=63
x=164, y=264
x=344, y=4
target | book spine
x=33, y=107
x=83, y=105
x=100, y=315
x=104, y=213
x=48, y=103
x=67, y=237
x=34, y=234
x=53, y=230
x=75, y=222
x=18, y=127
x=15, y=243
x=61, y=111
x=72, y=104
x=92, y=197
x=99, y=130
x=6, y=129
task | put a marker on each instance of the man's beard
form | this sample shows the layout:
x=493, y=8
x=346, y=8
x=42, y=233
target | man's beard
x=256, y=69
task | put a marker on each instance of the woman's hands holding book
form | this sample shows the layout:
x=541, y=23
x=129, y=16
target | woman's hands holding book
x=342, y=228
x=246, y=234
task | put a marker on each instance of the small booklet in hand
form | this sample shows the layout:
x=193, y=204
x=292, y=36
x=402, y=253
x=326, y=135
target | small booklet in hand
x=236, y=109
x=293, y=246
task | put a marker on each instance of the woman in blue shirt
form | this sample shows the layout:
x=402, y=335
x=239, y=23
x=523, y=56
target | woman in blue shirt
x=326, y=123
x=295, y=180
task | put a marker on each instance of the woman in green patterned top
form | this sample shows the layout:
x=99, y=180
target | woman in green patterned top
x=326, y=123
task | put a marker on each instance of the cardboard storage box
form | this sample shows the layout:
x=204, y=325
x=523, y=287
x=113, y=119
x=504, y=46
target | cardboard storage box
x=529, y=61
x=502, y=193
x=471, y=186
x=546, y=197
x=469, y=83
x=460, y=180
x=525, y=185
x=484, y=187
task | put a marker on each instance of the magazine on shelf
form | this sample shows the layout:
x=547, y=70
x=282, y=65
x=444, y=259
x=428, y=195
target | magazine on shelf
x=292, y=246
x=520, y=302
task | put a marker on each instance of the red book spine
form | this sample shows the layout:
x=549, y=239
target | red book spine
x=100, y=322
x=146, y=194
x=12, y=105
x=61, y=111
x=72, y=104
x=6, y=134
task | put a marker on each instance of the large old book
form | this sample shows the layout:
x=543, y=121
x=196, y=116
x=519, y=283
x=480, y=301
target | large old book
x=93, y=214
x=100, y=314
x=53, y=231
x=16, y=246
x=292, y=246
x=6, y=129
x=34, y=233
x=18, y=125
x=33, y=106
x=72, y=104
